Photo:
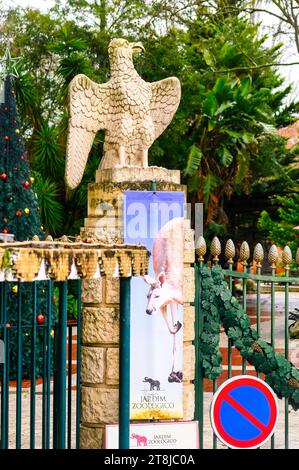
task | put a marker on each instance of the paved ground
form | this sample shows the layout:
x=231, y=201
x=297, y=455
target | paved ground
x=208, y=434
x=25, y=439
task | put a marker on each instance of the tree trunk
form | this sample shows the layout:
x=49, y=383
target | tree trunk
x=103, y=15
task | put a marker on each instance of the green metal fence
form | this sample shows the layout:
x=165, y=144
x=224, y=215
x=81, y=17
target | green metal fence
x=264, y=294
x=40, y=409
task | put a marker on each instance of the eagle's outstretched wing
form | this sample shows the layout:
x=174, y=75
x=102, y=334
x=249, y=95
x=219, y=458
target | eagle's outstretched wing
x=89, y=106
x=166, y=95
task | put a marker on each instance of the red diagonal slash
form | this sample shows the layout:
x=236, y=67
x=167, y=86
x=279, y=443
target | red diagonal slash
x=245, y=413
x=223, y=395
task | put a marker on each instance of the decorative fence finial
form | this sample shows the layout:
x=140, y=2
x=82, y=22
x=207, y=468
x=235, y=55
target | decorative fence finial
x=258, y=254
x=230, y=251
x=201, y=248
x=216, y=248
x=273, y=256
x=244, y=252
x=287, y=257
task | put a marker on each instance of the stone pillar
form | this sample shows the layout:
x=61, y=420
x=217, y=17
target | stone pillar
x=99, y=355
x=189, y=319
x=100, y=317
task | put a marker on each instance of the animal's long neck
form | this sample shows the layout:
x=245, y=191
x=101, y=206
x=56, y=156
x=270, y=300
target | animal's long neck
x=122, y=66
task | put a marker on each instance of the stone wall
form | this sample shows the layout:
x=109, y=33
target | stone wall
x=189, y=319
x=100, y=316
x=99, y=359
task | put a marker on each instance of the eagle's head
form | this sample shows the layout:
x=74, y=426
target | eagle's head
x=121, y=48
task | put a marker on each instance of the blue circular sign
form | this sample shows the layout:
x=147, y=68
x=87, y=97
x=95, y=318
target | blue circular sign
x=244, y=412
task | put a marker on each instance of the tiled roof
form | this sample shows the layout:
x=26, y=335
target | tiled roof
x=291, y=133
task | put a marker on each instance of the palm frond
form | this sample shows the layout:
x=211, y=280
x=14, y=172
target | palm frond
x=47, y=152
x=26, y=94
x=210, y=182
x=194, y=159
x=52, y=211
x=73, y=64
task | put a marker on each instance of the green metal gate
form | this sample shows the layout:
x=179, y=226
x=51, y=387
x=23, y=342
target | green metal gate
x=40, y=411
x=273, y=283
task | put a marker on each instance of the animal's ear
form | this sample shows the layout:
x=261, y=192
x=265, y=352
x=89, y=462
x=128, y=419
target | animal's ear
x=149, y=280
x=162, y=277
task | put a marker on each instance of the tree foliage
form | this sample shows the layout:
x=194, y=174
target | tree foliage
x=232, y=98
x=280, y=227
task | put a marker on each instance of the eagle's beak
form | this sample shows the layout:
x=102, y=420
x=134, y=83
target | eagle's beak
x=137, y=47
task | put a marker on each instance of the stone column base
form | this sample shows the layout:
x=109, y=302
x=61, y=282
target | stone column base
x=132, y=174
x=100, y=322
x=104, y=220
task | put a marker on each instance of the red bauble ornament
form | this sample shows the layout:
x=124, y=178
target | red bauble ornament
x=7, y=325
x=5, y=108
x=54, y=300
x=40, y=318
x=26, y=184
x=18, y=213
x=22, y=157
x=5, y=231
x=6, y=137
x=4, y=176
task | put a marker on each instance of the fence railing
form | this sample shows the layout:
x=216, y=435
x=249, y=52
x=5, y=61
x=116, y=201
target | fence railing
x=262, y=298
x=40, y=370
x=36, y=339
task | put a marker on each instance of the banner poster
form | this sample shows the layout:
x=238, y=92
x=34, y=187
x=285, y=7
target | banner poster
x=156, y=220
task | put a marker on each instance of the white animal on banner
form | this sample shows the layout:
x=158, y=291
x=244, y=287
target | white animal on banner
x=166, y=289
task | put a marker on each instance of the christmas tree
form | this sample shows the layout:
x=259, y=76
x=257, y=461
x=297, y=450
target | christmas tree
x=19, y=211
x=19, y=215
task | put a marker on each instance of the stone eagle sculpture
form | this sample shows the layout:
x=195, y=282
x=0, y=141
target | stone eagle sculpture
x=133, y=113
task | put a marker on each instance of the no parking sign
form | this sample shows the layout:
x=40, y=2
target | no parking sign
x=244, y=412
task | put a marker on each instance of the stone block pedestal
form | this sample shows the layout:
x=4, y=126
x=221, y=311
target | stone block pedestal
x=106, y=197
